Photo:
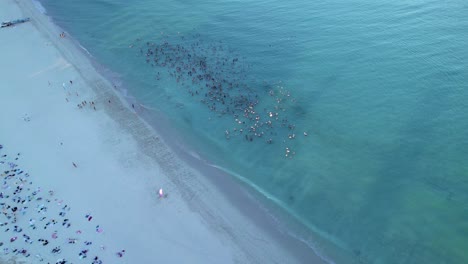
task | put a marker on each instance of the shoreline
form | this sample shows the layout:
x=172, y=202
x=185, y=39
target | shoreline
x=267, y=215
x=181, y=178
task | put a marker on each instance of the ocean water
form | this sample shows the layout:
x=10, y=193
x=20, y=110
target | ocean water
x=351, y=115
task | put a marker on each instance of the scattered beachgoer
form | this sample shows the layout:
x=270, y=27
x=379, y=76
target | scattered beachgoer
x=82, y=254
x=120, y=253
x=26, y=118
x=56, y=250
x=96, y=260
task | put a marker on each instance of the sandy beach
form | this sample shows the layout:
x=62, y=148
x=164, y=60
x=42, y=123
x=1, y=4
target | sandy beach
x=84, y=170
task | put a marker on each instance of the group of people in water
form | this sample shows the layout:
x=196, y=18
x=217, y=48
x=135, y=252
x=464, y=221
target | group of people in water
x=35, y=224
x=219, y=78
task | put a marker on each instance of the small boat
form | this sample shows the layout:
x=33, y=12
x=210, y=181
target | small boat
x=14, y=22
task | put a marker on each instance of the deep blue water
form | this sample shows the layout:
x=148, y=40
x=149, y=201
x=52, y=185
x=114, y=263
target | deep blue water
x=378, y=87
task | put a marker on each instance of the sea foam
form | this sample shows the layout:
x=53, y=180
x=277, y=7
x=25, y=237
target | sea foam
x=39, y=6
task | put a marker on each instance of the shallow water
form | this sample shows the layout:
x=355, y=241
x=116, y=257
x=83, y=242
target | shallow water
x=379, y=89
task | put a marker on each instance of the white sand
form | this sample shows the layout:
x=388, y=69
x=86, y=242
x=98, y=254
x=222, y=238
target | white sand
x=120, y=162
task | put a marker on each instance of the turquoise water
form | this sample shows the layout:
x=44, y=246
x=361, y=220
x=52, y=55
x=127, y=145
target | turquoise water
x=380, y=89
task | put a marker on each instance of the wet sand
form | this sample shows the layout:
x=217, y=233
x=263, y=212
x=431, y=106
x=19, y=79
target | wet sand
x=91, y=159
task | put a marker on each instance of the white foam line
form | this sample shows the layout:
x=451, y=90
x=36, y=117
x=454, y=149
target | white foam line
x=83, y=48
x=39, y=6
x=310, y=244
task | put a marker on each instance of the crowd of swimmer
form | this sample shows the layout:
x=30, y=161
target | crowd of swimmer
x=34, y=223
x=219, y=78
